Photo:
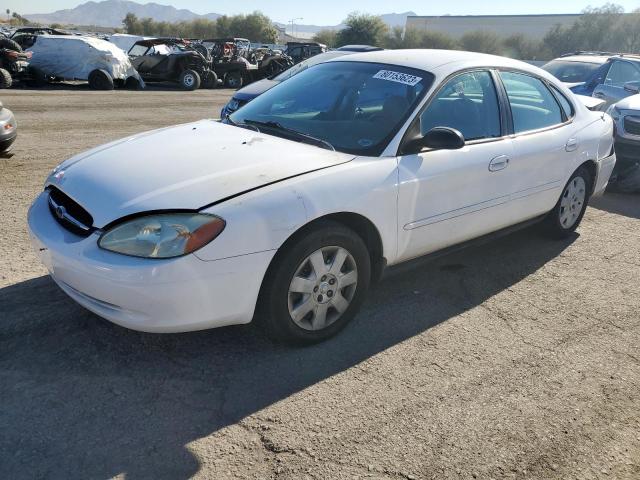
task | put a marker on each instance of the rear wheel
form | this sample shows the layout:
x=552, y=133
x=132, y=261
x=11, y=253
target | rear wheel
x=315, y=286
x=190, y=80
x=568, y=212
x=5, y=79
x=101, y=80
x=210, y=80
x=36, y=77
x=233, y=80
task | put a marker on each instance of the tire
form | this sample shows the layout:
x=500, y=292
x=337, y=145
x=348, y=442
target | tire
x=233, y=80
x=565, y=217
x=132, y=83
x=101, y=80
x=36, y=78
x=323, y=296
x=10, y=44
x=5, y=79
x=210, y=80
x=189, y=80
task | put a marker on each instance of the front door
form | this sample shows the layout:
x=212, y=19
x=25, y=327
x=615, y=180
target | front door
x=449, y=196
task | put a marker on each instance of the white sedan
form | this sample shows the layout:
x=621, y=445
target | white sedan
x=288, y=210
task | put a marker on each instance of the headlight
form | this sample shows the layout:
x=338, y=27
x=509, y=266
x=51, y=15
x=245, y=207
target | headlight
x=614, y=112
x=165, y=235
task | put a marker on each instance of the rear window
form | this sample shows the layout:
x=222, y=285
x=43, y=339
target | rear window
x=571, y=72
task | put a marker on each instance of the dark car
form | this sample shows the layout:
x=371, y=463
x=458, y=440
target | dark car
x=300, y=51
x=230, y=58
x=14, y=63
x=599, y=74
x=172, y=60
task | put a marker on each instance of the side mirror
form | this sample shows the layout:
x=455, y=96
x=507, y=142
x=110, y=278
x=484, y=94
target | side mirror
x=443, y=138
x=632, y=87
x=438, y=138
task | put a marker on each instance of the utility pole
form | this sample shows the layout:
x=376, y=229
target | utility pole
x=293, y=24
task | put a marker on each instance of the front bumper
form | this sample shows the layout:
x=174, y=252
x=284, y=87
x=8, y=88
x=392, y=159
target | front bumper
x=174, y=295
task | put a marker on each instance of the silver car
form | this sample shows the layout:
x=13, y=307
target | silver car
x=626, y=117
x=8, y=129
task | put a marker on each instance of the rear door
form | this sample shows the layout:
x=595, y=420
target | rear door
x=545, y=141
x=621, y=72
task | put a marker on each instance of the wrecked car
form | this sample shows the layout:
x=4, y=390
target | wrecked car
x=26, y=36
x=70, y=57
x=14, y=64
x=172, y=60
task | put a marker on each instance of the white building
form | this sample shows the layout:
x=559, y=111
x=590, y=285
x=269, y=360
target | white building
x=532, y=26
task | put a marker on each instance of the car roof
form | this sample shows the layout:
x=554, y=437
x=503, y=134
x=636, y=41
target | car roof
x=359, y=48
x=597, y=59
x=443, y=60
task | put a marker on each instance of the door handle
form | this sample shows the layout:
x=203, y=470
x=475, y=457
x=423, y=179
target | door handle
x=572, y=145
x=498, y=163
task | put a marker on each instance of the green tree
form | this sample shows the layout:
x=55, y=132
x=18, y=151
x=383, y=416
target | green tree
x=481, y=41
x=327, y=37
x=520, y=47
x=362, y=28
x=132, y=24
x=438, y=40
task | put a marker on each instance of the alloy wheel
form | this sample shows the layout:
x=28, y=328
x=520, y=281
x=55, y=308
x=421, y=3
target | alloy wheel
x=322, y=288
x=572, y=201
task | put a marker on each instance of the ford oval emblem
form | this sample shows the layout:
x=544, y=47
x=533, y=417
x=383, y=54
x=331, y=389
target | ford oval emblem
x=60, y=212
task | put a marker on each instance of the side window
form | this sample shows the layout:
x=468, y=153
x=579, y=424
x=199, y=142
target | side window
x=533, y=106
x=621, y=73
x=564, y=103
x=469, y=104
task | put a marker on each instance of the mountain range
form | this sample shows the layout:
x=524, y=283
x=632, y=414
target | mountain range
x=109, y=13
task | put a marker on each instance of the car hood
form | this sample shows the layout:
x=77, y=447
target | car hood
x=182, y=167
x=255, y=89
x=630, y=103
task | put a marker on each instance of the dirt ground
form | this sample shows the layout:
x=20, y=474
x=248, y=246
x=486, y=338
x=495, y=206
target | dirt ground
x=516, y=359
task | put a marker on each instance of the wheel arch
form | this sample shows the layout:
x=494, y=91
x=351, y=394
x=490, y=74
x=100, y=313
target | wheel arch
x=357, y=222
x=592, y=168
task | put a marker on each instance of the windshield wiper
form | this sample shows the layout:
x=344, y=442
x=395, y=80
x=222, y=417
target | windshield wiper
x=241, y=125
x=279, y=127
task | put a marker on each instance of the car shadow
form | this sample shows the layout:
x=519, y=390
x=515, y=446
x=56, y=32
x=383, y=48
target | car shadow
x=619, y=203
x=83, y=398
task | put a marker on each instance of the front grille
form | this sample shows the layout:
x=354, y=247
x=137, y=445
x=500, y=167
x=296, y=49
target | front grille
x=632, y=125
x=69, y=213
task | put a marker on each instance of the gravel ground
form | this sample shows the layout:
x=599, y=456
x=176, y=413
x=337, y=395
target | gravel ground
x=516, y=359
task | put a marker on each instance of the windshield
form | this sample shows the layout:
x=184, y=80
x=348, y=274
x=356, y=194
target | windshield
x=355, y=107
x=309, y=62
x=571, y=72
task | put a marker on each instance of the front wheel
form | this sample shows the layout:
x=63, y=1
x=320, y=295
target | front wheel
x=190, y=80
x=233, y=80
x=315, y=286
x=100, y=79
x=5, y=79
x=568, y=212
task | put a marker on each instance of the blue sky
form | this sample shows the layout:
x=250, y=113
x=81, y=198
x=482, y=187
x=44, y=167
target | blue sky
x=330, y=12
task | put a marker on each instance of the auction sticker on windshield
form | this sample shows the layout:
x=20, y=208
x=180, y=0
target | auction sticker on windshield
x=392, y=76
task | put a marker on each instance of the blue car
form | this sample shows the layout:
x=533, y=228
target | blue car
x=606, y=76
